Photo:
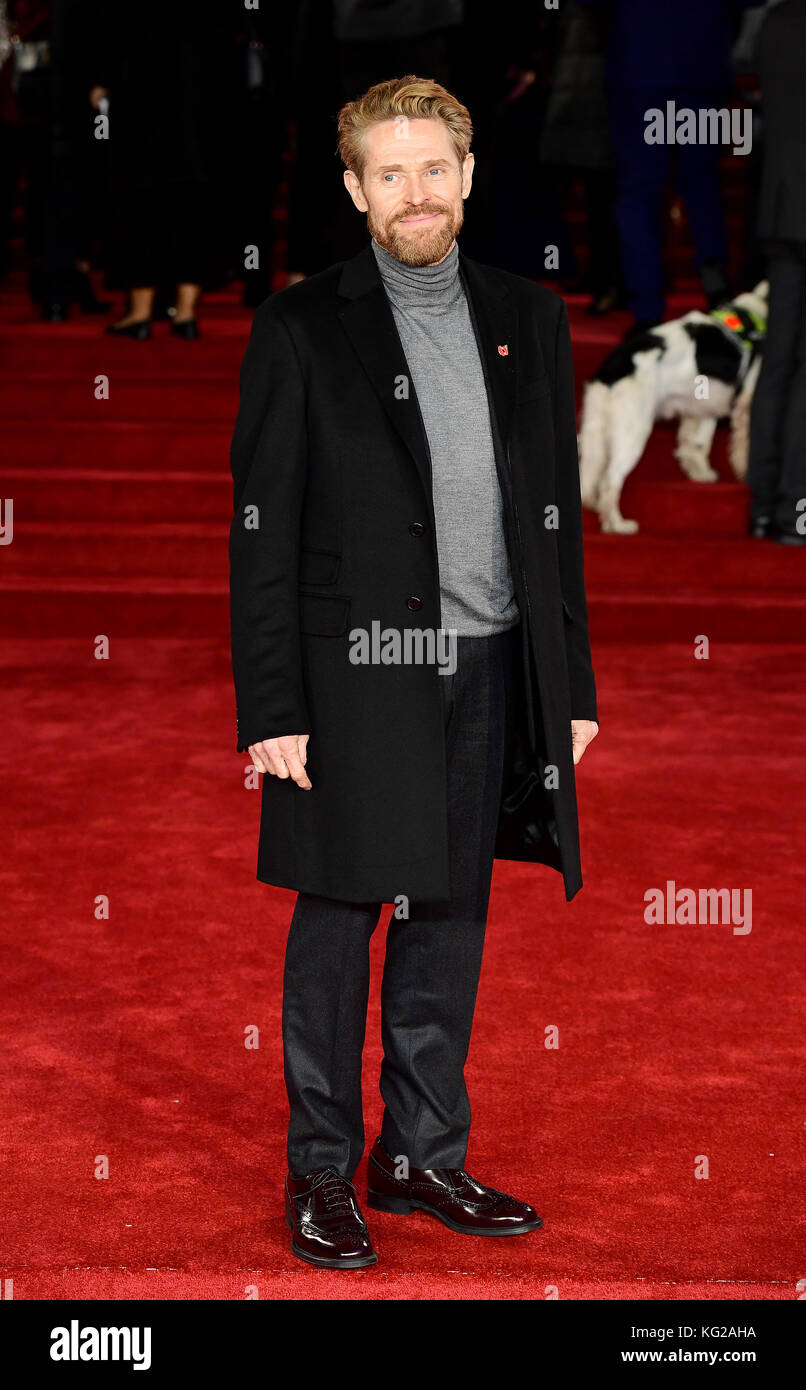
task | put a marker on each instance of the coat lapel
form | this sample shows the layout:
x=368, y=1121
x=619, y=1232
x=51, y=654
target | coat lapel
x=496, y=323
x=368, y=321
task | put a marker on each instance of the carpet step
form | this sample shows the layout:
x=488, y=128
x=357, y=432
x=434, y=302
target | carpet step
x=122, y=607
x=660, y=564
x=176, y=492
x=93, y=550
x=30, y=353
x=730, y=616
x=167, y=550
x=195, y=606
x=131, y=397
x=116, y=444
x=107, y=442
x=85, y=494
x=683, y=508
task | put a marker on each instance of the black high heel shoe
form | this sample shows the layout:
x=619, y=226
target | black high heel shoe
x=139, y=330
x=187, y=329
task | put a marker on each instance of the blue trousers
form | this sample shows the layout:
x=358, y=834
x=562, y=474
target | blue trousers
x=642, y=173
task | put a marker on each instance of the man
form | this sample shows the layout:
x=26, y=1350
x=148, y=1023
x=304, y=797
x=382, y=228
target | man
x=405, y=453
x=777, y=465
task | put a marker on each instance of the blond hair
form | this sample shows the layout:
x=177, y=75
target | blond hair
x=417, y=98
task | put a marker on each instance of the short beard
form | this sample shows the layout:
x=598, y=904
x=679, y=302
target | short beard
x=429, y=248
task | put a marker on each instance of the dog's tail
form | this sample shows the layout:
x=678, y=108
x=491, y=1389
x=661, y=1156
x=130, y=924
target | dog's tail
x=594, y=432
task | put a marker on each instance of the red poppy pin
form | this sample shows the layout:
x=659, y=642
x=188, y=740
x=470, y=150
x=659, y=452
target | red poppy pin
x=503, y=349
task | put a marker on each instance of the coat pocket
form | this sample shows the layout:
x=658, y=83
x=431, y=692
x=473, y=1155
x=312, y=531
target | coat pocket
x=567, y=614
x=323, y=615
x=319, y=566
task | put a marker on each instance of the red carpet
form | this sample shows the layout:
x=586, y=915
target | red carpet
x=124, y=1037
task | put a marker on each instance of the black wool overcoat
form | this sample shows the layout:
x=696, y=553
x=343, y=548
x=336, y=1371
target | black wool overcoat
x=333, y=530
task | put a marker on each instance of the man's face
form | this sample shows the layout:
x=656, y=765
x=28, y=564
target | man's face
x=413, y=189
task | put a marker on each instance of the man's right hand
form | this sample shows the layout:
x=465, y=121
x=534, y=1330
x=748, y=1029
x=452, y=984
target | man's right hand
x=283, y=757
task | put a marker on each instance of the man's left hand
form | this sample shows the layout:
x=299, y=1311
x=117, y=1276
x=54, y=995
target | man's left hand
x=583, y=732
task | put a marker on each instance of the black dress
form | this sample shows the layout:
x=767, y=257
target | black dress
x=171, y=70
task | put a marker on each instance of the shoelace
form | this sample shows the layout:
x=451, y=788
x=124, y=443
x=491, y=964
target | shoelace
x=336, y=1190
x=464, y=1177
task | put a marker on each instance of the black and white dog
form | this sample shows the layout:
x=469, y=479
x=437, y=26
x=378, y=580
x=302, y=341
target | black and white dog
x=699, y=368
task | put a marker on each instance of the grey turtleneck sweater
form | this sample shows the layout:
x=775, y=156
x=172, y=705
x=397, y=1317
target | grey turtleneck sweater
x=430, y=310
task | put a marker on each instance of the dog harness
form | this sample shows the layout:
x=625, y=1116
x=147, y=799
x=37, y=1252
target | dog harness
x=744, y=327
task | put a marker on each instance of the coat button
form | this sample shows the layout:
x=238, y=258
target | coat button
x=416, y=529
x=414, y=603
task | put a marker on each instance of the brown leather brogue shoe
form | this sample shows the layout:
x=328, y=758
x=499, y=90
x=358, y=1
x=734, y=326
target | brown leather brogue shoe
x=450, y=1194
x=325, y=1220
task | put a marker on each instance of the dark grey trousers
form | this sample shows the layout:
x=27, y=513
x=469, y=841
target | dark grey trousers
x=777, y=468
x=432, y=965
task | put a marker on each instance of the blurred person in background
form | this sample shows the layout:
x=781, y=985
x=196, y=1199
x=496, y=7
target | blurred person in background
x=77, y=174
x=515, y=212
x=314, y=188
x=258, y=151
x=745, y=65
x=47, y=147
x=777, y=466
x=668, y=51
x=25, y=121
x=169, y=71
x=575, y=144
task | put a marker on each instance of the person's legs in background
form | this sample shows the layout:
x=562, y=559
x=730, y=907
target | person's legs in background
x=778, y=420
x=137, y=254
x=790, y=510
x=699, y=183
x=191, y=217
x=604, y=276
x=641, y=171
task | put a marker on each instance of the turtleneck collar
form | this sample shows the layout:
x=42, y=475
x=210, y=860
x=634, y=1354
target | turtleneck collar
x=419, y=285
